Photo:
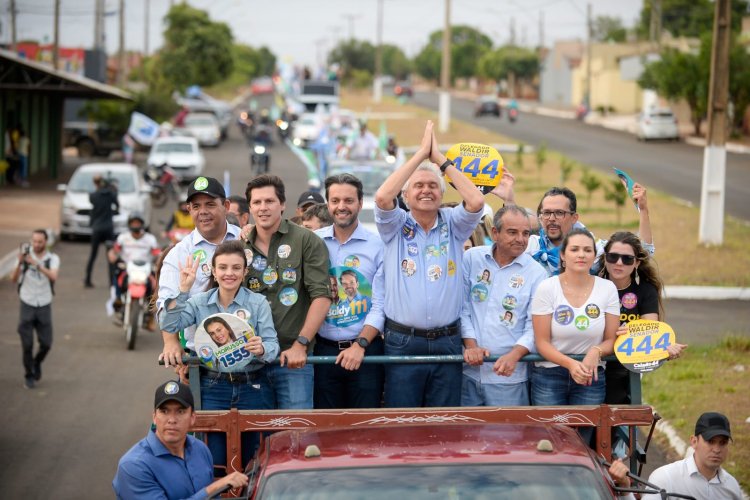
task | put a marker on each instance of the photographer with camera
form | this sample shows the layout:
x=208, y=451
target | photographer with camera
x=35, y=274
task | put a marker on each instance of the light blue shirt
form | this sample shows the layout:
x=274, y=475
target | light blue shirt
x=363, y=254
x=497, y=309
x=423, y=270
x=169, y=279
x=191, y=311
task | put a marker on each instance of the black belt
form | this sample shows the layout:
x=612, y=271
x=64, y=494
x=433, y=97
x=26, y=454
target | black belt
x=339, y=344
x=233, y=377
x=430, y=333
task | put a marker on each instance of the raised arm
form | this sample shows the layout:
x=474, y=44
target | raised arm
x=473, y=197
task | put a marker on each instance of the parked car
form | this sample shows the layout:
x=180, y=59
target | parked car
x=91, y=138
x=307, y=129
x=657, y=123
x=182, y=154
x=204, y=127
x=487, y=105
x=132, y=193
x=403, y=88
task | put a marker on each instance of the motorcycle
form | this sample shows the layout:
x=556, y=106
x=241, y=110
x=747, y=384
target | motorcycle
x=512, y=115
x=175, y=235
x=284, y=129
x=246, y=123
x=259, y=159
x=164, y=184
x=135, y=302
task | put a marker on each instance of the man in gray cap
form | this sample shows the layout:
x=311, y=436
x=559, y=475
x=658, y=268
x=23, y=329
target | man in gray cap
x=168, y=463
x=700, y=474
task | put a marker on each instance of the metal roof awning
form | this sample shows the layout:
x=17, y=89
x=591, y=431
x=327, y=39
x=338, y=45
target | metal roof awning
x=20, y=74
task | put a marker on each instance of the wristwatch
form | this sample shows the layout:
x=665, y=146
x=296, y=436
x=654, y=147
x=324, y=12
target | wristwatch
x=303, y=340
x=363, y=342
x=445, y=165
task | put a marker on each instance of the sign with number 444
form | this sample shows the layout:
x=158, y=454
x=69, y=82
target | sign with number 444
x=644, y=347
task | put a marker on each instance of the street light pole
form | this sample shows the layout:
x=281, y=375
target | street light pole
x=711, y=229
x=146, y=26
x=56, y=42
x=444, y=106
x=377, y=90
x=121, y=47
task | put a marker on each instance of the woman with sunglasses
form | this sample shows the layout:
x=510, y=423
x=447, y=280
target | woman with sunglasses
x=573, y=313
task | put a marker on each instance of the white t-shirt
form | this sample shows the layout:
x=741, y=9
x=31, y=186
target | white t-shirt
x=141, y=248
x=574, y=330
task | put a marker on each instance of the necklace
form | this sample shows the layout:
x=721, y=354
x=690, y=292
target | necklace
x=626, y=286
x=575, y=292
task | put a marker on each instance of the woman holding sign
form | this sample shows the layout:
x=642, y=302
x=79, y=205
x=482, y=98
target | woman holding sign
x=573, y=313
x=232, y=373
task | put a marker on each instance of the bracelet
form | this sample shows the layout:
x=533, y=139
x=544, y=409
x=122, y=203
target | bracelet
x=445, y=165
x=598, y=349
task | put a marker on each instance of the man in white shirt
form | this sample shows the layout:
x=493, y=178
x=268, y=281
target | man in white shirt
x=700, y=475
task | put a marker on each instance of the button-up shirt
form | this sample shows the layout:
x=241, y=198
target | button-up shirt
x=149, y=471
x=169, y=280
x=362, y=254
x=423, y=270
x=683, y=477
x=497, y=308
x=193, y=310
x=36, y=289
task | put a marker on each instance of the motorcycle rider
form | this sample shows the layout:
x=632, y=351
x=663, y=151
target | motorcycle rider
x=134, y=244
x=180, y=219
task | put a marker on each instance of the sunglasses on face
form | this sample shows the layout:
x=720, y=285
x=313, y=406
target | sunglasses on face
x=612, y=258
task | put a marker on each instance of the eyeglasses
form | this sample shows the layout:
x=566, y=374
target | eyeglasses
x=136, y=229
x=612, y=258
x=559, y=214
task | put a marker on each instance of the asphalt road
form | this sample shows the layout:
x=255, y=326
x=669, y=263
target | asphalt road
x=674, y=168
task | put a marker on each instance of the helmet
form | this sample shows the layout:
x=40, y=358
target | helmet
x=136, y=216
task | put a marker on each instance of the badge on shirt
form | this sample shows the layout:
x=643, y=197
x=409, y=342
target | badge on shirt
x=407, y=231
x=485, y=277
x=284, y=251
x=592, y=311
x=288, y=296
x=582, y=322
x=249, y=256
x=243, y=314
x=443, y=231
x=289, y=275
x=352, y=261
x=270, y=276
x=444, y=248
x=434, y=272
x=408, y=267
x=412, y=249
x=432, y=251
x=629, y=300
x=508, y=318
x=509, y=302
x=259, y=263
x=479, y=293
x=564, y=315
x=200, y=256
x=451, y=268
x=516, y=281
x=206, y=269
x=253, y=284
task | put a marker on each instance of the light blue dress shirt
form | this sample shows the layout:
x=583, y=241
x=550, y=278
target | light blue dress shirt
x=497, y=309
x=363, y=254
x=191, y=311
x=423, y=269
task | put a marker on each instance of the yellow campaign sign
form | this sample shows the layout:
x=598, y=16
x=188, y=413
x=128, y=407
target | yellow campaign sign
x=644, y=347
x=482, y=164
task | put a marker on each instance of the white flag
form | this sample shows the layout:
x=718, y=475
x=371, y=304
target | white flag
x=143, y=129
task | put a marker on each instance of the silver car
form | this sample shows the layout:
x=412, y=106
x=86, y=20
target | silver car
x=204, y=127
x=182, y=154
x=132, y=193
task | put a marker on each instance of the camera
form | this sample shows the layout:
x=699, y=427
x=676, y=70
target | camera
x=26, y=249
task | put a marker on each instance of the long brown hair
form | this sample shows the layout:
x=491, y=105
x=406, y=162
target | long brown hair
x=227, y=248
x=646, y=269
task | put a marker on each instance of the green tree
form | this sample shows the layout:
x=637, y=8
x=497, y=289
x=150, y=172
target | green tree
x=691, y=18
x=353, y=55
x=395, y=62
x=509, y=62
x=617, y=193
x=566, y=168
x=541, y=159
x=467, y=47
x=518, y=163
x=267, y=61
x=196, y=50
x=591, y=183
x=608, y=29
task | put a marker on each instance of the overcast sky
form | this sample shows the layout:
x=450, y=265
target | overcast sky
x=302, y=30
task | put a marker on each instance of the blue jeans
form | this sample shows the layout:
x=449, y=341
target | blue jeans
x=422, y=385
x=220, y=394
x=475, y=393
x=555, y=387
x=293, y=388
x=336, y=387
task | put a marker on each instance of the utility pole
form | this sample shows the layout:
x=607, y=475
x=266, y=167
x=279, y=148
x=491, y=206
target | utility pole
x=512, y=31
x=13, y=40
x=587, y=94
x=541, y=29
x=121, y=70
x=146, y=26
x=56, y=41
x=378, y=84
x=444, y=104
x=99, y=26
x=654, y=31
x=350, y=18
x=711, y=229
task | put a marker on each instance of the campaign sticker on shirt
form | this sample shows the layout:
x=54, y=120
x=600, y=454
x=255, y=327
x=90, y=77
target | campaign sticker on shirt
x=408, y=267
x=508, y=318
x=480, y=163
x=516, y=281
x=509, y=302
x=451, y=268
x=270, y=276
x=249, y=256
x=220, y=341
x=253, y=284
x=407, y=231
x=485, y=277
x=259, y=263
x=352, y=296
x=644, y=347
x=352, y=261
x=434, y=272
x=200, y=256
x=629, y=300
x=288, y=296
x=206, y=269
x=443, y=228
x=582, y=322
x=412, y=249
x=243, y=314
x=564, y=314
x=432, y=251
x=479, y=293
x=444, y=248
x=593, y=311
x=289, y=275
x=284, y=251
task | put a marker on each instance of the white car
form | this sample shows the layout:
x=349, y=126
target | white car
x=307, y=129
x=133, y=195
x=657, y=123
x=182, y=154
x=204, y=127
